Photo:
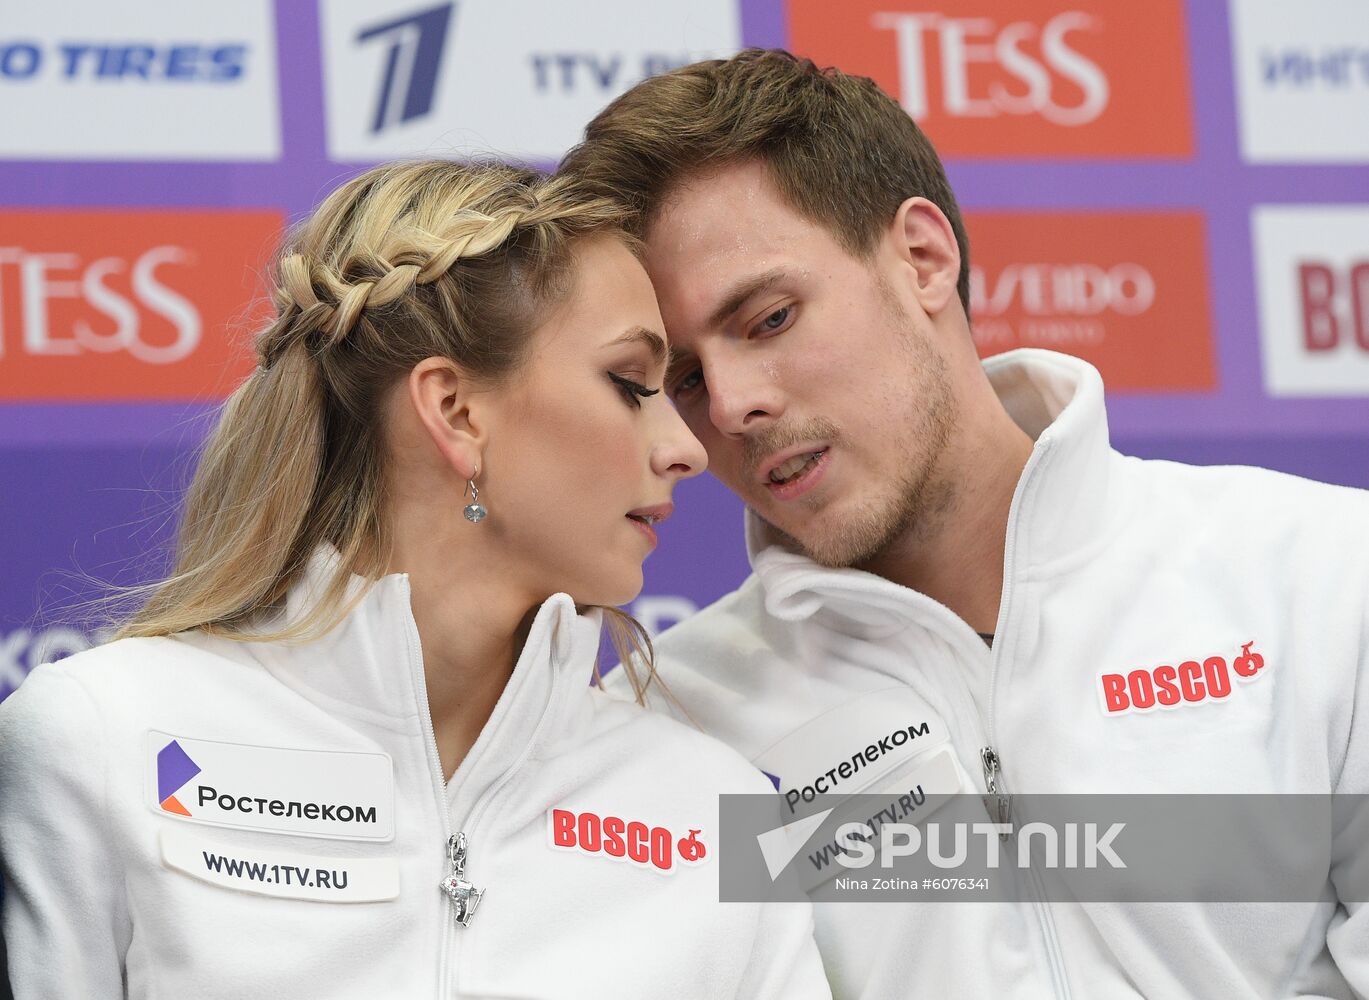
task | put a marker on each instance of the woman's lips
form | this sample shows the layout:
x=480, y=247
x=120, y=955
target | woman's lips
x=644, y=528
x=646, y=518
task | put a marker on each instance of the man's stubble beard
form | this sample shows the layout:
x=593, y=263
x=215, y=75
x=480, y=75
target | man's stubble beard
x=917, y=498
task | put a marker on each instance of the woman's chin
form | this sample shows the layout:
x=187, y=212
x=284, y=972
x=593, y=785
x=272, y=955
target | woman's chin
x=613, y=588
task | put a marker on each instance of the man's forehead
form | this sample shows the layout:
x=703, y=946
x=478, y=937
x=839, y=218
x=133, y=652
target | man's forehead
x=731, y=210
x=720, y=233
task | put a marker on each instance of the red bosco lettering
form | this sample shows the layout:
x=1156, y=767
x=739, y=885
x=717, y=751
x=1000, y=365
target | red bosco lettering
x=627, y=840
x=1189, y=683
x=1335, y=305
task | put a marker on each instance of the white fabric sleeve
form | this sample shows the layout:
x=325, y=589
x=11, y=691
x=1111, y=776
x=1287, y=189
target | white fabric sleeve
x=65, y=911
x=1348, y=937
x=785, y=963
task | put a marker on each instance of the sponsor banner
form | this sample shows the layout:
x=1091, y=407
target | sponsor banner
x=272, y=871
x=1002, y=78
x=646, y=845
x=1180, y=684
x=1125, y=291
x=315, y=793
x=156, y=80
x=1302, y=79
x=936, y=777
x=406, y=78
x=115, y=305
x=856, y=746
x=918, y=845
x=1312, y=273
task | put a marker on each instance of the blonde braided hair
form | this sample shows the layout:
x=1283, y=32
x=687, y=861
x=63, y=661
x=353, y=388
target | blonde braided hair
x=405, y=262
x=329, y=305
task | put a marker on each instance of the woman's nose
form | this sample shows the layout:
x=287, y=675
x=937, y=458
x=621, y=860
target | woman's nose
x=677, y=452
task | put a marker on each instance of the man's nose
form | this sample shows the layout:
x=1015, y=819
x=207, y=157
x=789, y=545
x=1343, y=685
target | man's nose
x=741, y=394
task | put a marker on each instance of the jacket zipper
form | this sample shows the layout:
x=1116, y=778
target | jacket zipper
x=435, y=772
x=1002, y=805
x=462, y=895
x=465, y=897
x=994, y=779
x=990, y=752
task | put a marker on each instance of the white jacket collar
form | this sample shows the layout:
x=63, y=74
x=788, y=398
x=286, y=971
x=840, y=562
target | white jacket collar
x=371, y=665
x=1062, y=503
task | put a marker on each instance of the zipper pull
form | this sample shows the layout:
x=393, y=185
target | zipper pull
x=1002, y=804
x=464, y=896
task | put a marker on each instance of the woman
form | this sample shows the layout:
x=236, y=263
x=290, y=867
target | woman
x=348, y=748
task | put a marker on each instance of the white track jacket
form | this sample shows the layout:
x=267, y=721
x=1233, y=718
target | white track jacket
x=196, y=817
x=1112, y=565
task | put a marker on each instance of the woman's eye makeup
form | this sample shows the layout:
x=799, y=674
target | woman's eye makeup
x=633, y=392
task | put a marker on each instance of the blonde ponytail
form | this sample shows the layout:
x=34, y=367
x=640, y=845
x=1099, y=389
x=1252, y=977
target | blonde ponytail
x=244, y=513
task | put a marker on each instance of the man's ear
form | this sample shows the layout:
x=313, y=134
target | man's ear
x=922, y=237
x=447, y=406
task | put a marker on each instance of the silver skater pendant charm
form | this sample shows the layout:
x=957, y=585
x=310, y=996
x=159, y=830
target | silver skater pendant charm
x=464, y=896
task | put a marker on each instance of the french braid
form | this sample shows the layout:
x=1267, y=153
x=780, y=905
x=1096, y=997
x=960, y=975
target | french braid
x=317, y=303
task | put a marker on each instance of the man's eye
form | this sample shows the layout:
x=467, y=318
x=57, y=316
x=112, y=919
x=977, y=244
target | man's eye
x=689, y=382
x=775, y=320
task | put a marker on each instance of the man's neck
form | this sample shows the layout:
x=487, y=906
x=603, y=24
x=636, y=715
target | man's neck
x=955, y=553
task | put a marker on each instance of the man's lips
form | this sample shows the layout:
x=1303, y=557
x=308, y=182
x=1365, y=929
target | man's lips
x=805, y=480
x=780, y=457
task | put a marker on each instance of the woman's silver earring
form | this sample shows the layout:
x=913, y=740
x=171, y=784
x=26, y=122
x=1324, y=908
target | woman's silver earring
x=475, y=511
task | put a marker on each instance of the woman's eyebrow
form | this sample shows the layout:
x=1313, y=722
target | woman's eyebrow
x=654, y=342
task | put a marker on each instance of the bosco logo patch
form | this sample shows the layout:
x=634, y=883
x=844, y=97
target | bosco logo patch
x=654, y=847
x=1189, y=683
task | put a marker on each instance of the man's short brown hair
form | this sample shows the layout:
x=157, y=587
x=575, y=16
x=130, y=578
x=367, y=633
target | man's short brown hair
x=840, y=150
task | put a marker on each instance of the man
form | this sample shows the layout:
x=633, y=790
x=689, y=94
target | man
x=949, y=559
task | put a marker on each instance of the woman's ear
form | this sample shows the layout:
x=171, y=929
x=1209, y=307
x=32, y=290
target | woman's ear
x=922, y=237
x=447, y=406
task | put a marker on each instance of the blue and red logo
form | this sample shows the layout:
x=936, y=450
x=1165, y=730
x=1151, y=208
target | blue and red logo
x=174, y=769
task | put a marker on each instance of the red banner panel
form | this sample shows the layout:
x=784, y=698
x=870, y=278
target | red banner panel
x=1125, y=291
x=1008, y=78
x=125, y=305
